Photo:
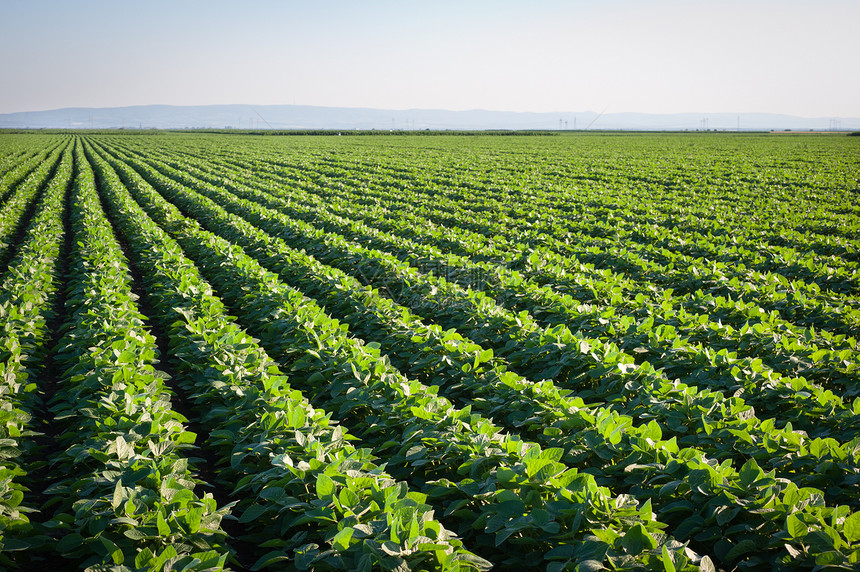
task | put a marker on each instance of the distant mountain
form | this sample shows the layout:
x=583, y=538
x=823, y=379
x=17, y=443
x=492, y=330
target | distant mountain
x=314, y=117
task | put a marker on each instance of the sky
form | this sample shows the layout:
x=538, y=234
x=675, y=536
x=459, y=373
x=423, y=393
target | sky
x=649, y=56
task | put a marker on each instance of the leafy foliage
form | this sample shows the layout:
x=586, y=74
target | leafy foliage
x=578, y=353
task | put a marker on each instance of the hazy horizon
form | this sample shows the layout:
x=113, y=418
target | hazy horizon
x=703, y=114
x=649, y=56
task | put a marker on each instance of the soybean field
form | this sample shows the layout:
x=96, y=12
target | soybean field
x=579, y=351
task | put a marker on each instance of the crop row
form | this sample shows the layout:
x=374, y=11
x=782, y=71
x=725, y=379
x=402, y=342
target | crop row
x=558, y=209
x=653, y=324
x=659, y=336
x=542, y=502
x=220, y=224
x=493, y=323
x=465, y=354
x=27, y=304
x=271, y=442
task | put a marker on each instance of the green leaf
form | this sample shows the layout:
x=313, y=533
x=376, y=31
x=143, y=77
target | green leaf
x=637, y=539
x=118, y=496
x=186, y=437
x=563, y=552
x=70, y=542
x=270, y=558
x=123, y=449
x=742, y=548
x=115, y=551
x=193, y=517
x=163, y=528
x=273, y=493
x=818, y=356
x=828, y=558
x=472, y=561
x=851, y=528
x=342, y=538
x=668, y=563
x=252, y=513
x=750, y=472
x=325, y=486
x=483, y=357
x=15, y=499
x=127, y=356
x=143, y=558
x=134, y=534
x=795, y=526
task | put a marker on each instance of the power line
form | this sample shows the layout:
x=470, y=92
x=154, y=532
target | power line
x=263, y=118
x=596, y=118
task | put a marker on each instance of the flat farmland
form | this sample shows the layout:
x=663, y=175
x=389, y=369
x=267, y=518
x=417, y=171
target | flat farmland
x=572, y=351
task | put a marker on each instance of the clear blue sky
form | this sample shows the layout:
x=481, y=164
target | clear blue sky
x=658, y=56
